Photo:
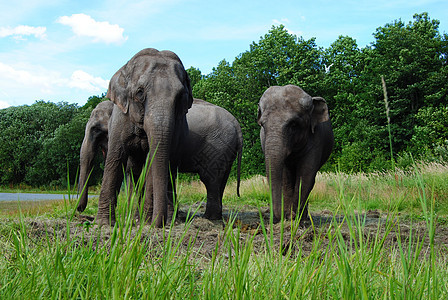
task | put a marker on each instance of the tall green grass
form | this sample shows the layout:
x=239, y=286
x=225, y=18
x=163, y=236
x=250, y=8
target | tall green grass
x=346, y=257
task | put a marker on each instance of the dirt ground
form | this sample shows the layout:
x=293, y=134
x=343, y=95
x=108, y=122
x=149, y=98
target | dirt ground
x=206, y=234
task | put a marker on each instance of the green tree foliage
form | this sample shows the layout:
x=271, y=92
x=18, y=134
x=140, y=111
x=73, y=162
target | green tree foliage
x=412, y=59
x=431, y=132
x=24, y=129
x=40, y=141
x=59, y=155
x=93, y=101
x=195, y=76
x=279, y=58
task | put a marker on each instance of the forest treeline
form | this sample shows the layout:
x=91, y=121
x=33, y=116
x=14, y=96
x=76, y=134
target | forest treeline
x=40, y=142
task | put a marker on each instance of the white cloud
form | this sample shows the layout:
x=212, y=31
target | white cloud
x=85, y=81
x=4, y=104
x=35, y=82
x=23, y=30
x=10, y=73
x=85, y=25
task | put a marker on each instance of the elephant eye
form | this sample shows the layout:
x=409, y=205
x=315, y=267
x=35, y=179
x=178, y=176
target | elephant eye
x=301, y=121
x=140, y=95
x=296, y=123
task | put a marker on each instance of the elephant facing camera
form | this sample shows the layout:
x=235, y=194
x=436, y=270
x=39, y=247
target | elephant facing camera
x=297, y=139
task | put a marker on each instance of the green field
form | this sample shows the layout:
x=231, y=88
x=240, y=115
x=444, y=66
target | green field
x=378, y=235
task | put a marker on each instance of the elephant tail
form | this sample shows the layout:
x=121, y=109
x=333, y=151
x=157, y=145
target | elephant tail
x=240, y=152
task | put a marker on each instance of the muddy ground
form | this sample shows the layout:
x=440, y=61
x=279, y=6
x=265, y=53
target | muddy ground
x=206, y=234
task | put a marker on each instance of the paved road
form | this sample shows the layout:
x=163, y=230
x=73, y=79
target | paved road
x=34, y=197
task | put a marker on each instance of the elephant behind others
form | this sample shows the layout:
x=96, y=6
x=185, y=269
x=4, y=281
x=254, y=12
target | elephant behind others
x=297, y=139
x=96, y=137
x=213, y=142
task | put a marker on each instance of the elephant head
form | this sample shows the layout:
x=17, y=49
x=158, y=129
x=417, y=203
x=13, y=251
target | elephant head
x=296, y=138
x=96, y=137
x=153, y=90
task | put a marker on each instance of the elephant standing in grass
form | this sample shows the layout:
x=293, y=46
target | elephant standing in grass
x=96, y=137
x=209, y=149
x=152, y=94
x=297, y=139
x=213, y=142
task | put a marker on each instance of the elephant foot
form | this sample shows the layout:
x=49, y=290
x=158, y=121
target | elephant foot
x=303, y=219
x=105, y=222
x=81, y=208
x=213, y=216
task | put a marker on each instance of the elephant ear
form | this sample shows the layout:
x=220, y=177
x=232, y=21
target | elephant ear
x=117, y=91
x=190, y=92
x=259, y=115
x=320, y=112
x=187, y=105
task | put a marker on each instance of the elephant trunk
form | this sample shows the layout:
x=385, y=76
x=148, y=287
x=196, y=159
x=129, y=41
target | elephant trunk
x=275, y=160
x=160, y=133
x=87, y=155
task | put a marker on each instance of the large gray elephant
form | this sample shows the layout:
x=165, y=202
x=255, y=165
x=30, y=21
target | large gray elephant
x=152, y=94
x=297, y=139
x=213, y=142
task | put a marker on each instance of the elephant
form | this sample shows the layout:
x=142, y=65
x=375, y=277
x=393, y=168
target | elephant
x=297, y=139
x=96, y=137
x=152, y=94
x=213, y=142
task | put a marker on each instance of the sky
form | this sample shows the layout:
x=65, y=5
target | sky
x=66, y=50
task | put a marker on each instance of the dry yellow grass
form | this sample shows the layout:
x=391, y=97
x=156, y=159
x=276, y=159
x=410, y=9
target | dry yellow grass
x=29, y=208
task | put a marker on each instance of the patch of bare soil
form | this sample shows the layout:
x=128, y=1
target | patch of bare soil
x=205, y=236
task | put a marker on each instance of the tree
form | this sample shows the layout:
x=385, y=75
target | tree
x=195, y=76
x=59, y=156
x=93, y=101
x=431, y=132
x=412, y=58
x=24, y=129
x=279, y=58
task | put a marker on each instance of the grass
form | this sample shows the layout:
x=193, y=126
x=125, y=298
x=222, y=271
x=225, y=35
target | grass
x=404, y=256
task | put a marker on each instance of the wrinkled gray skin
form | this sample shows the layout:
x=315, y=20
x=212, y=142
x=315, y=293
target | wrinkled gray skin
x=212, y=144
x=96, y=137
x=297, y=139
x=152, y=94
x=213, y=141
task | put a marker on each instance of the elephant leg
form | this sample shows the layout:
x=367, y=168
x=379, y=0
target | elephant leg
x=172, y=193
x=213, y=209
x=113, y=176
x=146, y=202
x=289, y=198
x=135, y=190
x=306, y=184
x=147, y=207
x=223, y=182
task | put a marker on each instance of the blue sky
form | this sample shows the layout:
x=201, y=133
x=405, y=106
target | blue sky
x=66, y=50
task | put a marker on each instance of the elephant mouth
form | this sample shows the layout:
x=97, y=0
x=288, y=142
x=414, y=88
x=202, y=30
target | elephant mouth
x=139, y=131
